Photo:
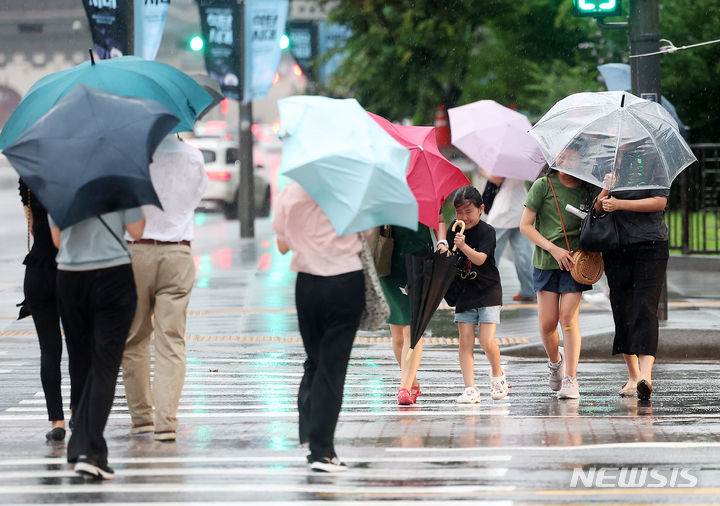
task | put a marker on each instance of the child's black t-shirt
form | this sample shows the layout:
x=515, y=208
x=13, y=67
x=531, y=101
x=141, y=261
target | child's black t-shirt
x=483, y=288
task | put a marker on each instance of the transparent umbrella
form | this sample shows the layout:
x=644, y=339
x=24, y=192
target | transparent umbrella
x=613, y=140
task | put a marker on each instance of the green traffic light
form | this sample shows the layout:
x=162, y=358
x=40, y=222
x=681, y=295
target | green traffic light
x=284, y=41
x=597, y=8
x=196, y=43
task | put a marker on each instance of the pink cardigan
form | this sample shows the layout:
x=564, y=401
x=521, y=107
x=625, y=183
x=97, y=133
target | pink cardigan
x=305, y=228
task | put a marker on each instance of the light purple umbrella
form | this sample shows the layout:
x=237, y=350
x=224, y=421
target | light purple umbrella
x=497, y=139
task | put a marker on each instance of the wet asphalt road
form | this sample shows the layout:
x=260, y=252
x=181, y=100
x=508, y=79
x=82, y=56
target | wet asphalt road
x=237, y=439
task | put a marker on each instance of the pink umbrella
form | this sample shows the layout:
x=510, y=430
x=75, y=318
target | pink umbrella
x=497, y=139
x=430, y=176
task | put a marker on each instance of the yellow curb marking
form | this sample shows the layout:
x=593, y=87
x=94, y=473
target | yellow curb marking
x=502, y=341
x=204, y=312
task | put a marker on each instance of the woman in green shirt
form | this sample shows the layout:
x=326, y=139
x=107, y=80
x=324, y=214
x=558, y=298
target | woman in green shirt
x=405, y=241
x=558, y=294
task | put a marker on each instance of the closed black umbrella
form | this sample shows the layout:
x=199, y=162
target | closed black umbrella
x=430, y=274
x=90, y=153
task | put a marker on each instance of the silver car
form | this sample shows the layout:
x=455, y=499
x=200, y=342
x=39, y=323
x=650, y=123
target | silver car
x=223, y=170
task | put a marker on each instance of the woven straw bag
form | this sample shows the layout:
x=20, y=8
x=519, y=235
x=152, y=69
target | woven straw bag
x=588, y=268
x=589, y=265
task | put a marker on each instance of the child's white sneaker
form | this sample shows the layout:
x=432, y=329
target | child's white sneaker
x=557, y=371
x=498, y=387
x=469, y=396
x=569, y=389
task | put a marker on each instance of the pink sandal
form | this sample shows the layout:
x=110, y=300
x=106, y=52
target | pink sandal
x=404, y=397
x=415, y=392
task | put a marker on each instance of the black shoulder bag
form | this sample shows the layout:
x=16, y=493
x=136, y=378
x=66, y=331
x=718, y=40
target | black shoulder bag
x=598, y=232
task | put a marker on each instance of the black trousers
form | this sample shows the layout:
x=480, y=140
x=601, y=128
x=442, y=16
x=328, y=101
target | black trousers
x=329, y=310
x=39, y=287
x=635, y=276
x=97, y=308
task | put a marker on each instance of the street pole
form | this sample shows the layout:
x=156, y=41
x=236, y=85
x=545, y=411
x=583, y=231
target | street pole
x=645, y=38
x=246, y=193
x=645, y=73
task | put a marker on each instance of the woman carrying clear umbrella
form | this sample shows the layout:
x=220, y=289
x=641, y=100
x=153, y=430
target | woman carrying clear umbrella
x=636, y=272
x=632, y=149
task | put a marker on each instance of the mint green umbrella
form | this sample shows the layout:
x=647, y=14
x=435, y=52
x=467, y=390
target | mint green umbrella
x=353, y=169
x=127, y=76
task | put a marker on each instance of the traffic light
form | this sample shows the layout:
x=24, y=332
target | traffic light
x=597, y=8
x=196, y=43
x=284, y=41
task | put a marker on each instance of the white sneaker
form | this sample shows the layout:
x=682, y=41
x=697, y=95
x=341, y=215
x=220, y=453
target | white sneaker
x=498, y=387
x=328, y=465
x=557, y=371
x=569, y=389
x=469, y=396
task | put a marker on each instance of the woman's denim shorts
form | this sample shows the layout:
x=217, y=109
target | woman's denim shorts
x=556, y=281
x=490, y=314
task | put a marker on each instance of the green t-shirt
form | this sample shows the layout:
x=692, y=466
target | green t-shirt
x=547, y=222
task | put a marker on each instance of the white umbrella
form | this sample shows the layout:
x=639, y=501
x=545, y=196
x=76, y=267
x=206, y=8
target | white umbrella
x=592, y=135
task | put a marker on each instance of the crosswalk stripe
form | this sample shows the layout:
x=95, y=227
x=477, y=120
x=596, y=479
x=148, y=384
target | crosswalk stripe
x=260, y=407
x=385, y=474
x=268, y=459
x=218, y=488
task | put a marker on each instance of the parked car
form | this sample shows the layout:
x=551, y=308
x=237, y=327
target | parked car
x=223, y=169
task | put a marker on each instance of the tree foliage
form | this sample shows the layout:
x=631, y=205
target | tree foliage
x=407, y=56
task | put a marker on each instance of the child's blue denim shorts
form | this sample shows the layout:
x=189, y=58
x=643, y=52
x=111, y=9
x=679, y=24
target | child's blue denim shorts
x=556, y=281
x=490, y=314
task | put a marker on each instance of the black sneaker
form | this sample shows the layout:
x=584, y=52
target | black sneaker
x=87, y=467
x=328, y=465
x=57, y=434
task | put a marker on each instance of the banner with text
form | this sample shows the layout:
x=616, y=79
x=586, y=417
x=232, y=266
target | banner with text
x=220, y=23
x=264, y=25
x=107, y=20
x=331, y=37
x=303, y=43
x=150, y=18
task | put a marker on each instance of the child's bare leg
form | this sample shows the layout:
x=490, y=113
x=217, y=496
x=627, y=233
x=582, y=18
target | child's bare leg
x=548, y=316
x=466, y=332
x=570, y=323
x=490, y=347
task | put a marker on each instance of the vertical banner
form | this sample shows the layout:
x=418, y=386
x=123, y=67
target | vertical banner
x=303, y=43
x=150, y=18
x=107, y=24
x=331, y=36
x=220, y=23
x=264, y=25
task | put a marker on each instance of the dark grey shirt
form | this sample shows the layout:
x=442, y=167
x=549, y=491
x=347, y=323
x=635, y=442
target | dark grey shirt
x=634, y=227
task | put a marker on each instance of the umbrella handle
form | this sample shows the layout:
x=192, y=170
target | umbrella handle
x=462, y=229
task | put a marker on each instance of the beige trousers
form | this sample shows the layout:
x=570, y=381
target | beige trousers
x=164, y=277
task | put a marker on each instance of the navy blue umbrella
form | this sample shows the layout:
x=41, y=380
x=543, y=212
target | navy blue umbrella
x=90, y=153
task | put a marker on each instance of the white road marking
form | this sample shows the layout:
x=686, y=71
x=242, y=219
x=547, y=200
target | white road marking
x=273, y=459
x=471, y=409
x=275, y=488
x=331, y=502
x=390, y=474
